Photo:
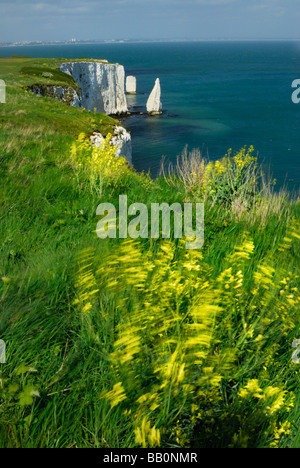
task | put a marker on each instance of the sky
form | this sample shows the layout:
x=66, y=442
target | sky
x=62, y=20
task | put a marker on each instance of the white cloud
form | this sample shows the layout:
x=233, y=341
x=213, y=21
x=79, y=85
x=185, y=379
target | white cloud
x=271, y=8
x=23, y=19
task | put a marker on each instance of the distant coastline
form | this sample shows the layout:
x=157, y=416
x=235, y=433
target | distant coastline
x=221, y=94
x=135, y=41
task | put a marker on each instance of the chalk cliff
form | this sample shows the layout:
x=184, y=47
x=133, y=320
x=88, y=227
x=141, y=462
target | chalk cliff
x=65, y=94
x=121, y=139
x=102, y=85
x=154, y=105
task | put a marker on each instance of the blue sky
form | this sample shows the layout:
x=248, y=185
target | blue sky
x=29, y=20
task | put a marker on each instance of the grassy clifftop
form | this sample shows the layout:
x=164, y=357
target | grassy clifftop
x=47, y=115
x=25, y=71
x=139, y=343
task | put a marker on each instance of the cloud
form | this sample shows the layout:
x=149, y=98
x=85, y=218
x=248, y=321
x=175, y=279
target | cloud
x=23, y=20
x=100, y=8
x=215, y=2
x=269, y=7
x=126, y=3
x=62, y=8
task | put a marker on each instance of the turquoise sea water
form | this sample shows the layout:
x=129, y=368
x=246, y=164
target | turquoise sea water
x=215, y=95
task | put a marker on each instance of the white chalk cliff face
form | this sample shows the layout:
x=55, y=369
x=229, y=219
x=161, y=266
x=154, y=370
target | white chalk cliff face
x=102, y=85
x=154, y=105
x=121, y=139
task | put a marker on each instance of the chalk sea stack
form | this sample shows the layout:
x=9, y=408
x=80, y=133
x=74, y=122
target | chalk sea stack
x=154, y=105
x=131, y=85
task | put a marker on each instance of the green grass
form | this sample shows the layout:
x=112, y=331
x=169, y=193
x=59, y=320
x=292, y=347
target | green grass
x=53, y=75
x=47, y=218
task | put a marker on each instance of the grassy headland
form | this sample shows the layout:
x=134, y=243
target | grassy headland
x=118, y=343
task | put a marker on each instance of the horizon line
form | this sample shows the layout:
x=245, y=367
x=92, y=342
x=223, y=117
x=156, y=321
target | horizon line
x=109, y=41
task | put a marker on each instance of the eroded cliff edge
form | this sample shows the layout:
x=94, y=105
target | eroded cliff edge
x=102, y=85
x=95, y=85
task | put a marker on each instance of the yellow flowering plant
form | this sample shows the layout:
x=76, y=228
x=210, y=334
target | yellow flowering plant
x=194, y=355
x=94, y=166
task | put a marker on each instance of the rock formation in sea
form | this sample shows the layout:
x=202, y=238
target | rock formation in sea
x=121, y=139
x=154, y=105
x=102, y=85
x=131, y=85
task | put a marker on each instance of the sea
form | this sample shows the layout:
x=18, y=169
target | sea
x=216, y=96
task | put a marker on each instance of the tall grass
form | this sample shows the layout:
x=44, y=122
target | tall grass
x=117, y=343
x=194, y=348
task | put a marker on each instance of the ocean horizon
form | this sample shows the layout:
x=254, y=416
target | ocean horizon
x=216, y=95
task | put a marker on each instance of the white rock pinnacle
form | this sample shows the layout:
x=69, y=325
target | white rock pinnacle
x=154, y=105
x=131, y=84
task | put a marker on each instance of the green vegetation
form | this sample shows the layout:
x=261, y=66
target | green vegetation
x=122, y=343
x=45, y=72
